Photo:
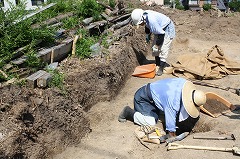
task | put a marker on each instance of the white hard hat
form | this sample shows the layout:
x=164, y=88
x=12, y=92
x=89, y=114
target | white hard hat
x=137, y=15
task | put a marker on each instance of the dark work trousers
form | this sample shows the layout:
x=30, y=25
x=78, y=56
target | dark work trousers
x=144, y=104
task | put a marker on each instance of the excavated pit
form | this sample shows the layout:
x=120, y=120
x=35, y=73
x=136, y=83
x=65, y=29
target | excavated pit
x=39, y=123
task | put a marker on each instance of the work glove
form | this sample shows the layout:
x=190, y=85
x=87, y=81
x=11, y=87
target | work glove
x=148, y=37
x=155, y=48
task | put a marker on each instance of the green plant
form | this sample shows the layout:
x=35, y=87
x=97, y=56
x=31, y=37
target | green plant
x=90, y=8
x=83, y=45
x=32, y=61
x=167, y=2
x=2, y=78
x=234, y=5
x=207, y=7
x=71, y=22
x=179, y=5
x=112, y=3
x=16, y=35
x=104, y=41
x=21, y=82
x=57, y=79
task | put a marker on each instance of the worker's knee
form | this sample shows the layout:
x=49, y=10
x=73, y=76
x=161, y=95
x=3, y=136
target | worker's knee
x=144, y=120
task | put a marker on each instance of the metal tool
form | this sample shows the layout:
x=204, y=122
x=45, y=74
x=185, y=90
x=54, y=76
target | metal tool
x=177, y=138
x=232, y=137
x=168, y=139
x=174, y=146
x=198, y=82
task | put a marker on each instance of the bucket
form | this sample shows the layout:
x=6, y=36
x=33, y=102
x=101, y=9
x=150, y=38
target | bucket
x=216, y=105
x=145, y=71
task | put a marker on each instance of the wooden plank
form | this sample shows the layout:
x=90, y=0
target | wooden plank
x=32, y=79
x=61, y=51
x=104, y=5
x=120, y=18
x=95, y=24
x=87, y=20
x=121, y=24
x=34, y=13
x=54, y=20
x=44, y=80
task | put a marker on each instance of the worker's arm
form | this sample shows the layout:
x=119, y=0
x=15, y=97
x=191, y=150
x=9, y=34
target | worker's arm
x=148, y=34
x=170, y=119
x=172, y=134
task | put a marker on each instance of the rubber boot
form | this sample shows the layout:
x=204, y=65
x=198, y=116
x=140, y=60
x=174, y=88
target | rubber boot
x=160, y=70
x=126, y=114
x=157, y=62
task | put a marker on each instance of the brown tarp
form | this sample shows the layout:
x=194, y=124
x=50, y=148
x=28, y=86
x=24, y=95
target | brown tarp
x=214, y=65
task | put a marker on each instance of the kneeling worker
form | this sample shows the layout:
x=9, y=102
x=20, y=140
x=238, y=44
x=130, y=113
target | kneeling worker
x=177, y=98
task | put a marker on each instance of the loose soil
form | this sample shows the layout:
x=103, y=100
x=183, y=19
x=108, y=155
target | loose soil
x=215, y=107
x=81, y=120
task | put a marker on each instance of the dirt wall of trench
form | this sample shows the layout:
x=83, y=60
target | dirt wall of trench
x=38, y=123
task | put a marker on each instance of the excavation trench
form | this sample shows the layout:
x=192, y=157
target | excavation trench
x=39, y=123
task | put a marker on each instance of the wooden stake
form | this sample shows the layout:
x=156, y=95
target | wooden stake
x=4, y=74
x=74, y=44
x=52, y=56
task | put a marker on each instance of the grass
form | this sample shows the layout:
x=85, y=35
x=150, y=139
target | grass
x=57, y=79
x=15, y=36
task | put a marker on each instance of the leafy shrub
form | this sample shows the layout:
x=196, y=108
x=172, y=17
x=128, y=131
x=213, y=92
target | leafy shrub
x=234, y=5
x=57, y=79
x=112, y=3
x=167, y=2
x=83, y=47
x=207, y=7
x=16, y=35
x=89, y=8
x=179, y=5
x=71, y=22
x=32, y=61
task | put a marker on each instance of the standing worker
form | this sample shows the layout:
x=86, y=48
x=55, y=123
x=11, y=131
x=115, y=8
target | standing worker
x=163, y=29
x=177, y=98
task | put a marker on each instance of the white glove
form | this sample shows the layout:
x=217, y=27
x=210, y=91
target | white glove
x=155, y=48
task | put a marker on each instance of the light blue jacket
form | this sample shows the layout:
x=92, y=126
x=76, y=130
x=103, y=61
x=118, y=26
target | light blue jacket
x=156, y=22
x=167, y=96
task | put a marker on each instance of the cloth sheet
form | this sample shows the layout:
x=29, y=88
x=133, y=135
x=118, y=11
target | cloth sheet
x=214, y=65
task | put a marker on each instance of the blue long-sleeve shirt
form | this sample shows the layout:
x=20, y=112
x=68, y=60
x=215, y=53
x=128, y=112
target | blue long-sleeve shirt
x=167, y=95
x=156, y=22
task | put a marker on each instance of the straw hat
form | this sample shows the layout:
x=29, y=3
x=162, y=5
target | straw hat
x=192, y=99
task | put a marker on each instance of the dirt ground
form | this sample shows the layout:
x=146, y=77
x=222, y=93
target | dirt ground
x=196, y=33
x=81, y=121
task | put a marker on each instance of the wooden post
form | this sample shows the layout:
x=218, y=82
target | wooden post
x=4, y=74
x=32, y=79
x=44, y=80
x=52, y=56
x=74, y=44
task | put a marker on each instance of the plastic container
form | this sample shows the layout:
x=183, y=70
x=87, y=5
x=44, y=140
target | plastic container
x=218, y=98
x=211, y=95
x=145, y=71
